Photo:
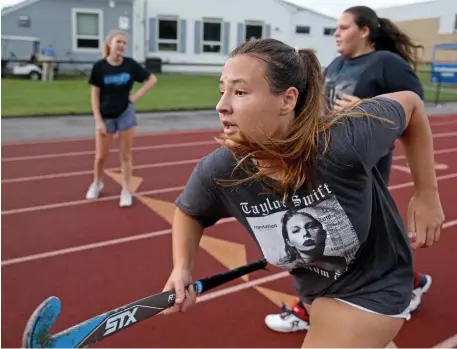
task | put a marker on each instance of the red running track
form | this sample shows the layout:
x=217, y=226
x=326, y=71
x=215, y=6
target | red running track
x=95, y=256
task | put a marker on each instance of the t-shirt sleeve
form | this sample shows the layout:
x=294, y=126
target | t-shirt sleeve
x=94, y=77
x=398, y=75
x=199, y=198
x=372, y=135
x=140, y=74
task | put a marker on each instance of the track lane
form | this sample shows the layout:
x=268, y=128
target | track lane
x=85, y=163
x=121, y=272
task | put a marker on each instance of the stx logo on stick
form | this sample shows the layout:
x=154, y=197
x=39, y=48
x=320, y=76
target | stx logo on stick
x=119, y=321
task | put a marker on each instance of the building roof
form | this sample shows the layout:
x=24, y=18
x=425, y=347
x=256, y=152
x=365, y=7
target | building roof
x=25, y=3
x=303, y=8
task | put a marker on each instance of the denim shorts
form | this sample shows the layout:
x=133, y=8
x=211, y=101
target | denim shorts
x=123, y=122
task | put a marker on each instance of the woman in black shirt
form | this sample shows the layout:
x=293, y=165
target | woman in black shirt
x=376, y=58
x=112, y=79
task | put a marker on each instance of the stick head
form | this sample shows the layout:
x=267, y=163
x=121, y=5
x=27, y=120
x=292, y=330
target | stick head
x=37, y=330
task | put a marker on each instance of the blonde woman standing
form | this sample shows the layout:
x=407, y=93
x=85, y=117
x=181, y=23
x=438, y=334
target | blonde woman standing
x=111, y=81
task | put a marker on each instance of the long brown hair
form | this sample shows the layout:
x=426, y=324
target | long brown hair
x=296, y=154
x=385, y=35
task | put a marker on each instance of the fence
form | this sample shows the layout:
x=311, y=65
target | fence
x=437, y=93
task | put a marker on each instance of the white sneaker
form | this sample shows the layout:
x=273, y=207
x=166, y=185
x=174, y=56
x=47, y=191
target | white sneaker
x=289, y=320
x=286, y=323
x=422, y=286
x=126, y=198
x=94, y=190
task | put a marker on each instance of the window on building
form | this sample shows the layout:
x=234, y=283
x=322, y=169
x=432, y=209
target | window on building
x=87, y=29
x=212, y=36
x=24, y=21
x=253, y=31
x=302, y=29
x=329, y=31
x=167, y=34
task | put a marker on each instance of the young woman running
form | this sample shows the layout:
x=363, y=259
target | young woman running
x=307, y=190
x=375, y=58
x=112, y=79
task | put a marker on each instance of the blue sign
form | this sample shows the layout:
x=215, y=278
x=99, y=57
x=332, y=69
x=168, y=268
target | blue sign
x=444, y=73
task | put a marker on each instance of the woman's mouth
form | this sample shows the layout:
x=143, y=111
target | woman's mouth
x=229, y=128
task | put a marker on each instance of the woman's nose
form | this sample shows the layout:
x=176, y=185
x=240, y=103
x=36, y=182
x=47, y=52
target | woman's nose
x=224, y=105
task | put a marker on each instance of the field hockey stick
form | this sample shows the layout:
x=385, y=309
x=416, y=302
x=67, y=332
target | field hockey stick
x=37, y=331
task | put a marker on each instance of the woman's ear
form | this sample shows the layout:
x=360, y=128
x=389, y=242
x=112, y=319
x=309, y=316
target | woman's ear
x=289, y=101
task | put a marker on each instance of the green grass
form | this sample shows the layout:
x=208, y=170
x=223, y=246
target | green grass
x=72, y=96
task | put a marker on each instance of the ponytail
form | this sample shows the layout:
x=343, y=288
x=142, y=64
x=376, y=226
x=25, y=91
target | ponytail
x=391, y=38
x=106, y=50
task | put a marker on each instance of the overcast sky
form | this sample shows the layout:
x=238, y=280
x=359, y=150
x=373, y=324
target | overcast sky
x=329, y=7
x=335, y=7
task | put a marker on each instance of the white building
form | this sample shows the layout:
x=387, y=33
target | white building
x=197, y=33
x=188, y=35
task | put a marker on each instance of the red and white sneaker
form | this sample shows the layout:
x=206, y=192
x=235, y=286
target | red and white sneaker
x=289, y=320
x=422, y=283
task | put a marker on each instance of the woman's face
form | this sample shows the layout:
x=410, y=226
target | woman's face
x=305, y=233
x=349, y=37
x=247, y=103
x=118, y=45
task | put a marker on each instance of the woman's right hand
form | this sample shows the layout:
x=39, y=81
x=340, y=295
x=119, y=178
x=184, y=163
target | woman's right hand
x=185, y=297
x=101, y=127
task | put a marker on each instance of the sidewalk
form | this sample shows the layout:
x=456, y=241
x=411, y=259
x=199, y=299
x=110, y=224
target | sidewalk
x=38, y=128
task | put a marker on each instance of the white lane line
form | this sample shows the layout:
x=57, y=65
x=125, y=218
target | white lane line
x=449, y=224
x=156, y=191
x=91, y=246
x=91, y=172
x=113, y=150
x=137, y=135
x=164, y=164
x=148, y=147
x=445, y=134
x=85, y=202
x=450, y=342
x=436, y=152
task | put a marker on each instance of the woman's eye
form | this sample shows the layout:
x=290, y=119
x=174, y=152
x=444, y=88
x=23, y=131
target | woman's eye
x=238, y=92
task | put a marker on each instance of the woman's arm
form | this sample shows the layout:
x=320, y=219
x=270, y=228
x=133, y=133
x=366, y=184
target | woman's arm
x=149, y=84
x=187, y=233
x=424, y=214
x=417, y=140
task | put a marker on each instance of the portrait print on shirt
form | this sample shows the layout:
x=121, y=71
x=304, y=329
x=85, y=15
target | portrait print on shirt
x=312, y=231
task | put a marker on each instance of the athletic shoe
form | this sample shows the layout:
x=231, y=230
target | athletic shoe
x=126, y=198
x=94, y=190
x=422, y=283
x=297, y=318
x=289, y=320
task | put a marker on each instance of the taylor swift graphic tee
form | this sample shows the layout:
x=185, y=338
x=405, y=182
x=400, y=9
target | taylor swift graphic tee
x=344, y=236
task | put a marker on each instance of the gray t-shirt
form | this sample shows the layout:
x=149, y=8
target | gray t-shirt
x=344, y=238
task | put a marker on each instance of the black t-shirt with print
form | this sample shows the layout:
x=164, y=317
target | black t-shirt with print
x=368, y=76
x=342, y=238
x=115, y=83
